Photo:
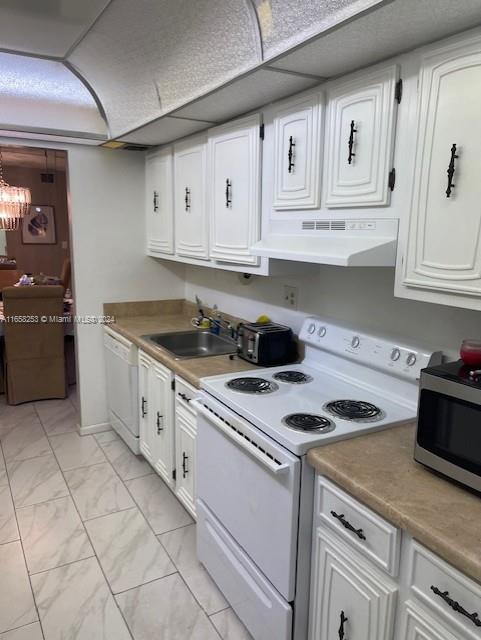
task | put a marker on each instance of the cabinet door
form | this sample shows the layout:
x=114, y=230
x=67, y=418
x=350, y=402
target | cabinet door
x=159, y=202
x=297, y=152
x=416, y=624
x=234, y=177
x=146, y=434
x=185, y=435
x=347, y=595
x=161, y=412
x=360, y=128
x=444, y=239
x=190, y=200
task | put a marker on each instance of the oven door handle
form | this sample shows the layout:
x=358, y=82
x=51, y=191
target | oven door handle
x=241, y=441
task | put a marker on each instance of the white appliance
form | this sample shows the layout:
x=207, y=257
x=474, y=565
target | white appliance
x=254, y=487
x=122, y=387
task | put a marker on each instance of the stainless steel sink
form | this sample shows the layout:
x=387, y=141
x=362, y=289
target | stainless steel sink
x=192, y=344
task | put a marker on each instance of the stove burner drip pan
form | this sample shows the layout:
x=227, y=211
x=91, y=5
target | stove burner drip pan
x=355, y=410
x=251, y=385
x=309, y=423
x=292, y=377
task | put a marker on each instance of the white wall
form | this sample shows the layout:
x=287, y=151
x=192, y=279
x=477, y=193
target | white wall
x=108, y=235
x=109, y=262
x=361, y=297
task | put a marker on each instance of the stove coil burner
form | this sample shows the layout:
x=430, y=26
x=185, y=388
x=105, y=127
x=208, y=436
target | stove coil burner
x=252, y=385
x=355, y=410
x=309, y=422
x=292, y=377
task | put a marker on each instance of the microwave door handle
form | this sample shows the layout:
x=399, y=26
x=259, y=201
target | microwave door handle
x=241, y=442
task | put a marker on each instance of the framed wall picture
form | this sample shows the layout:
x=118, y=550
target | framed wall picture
x=38, y=226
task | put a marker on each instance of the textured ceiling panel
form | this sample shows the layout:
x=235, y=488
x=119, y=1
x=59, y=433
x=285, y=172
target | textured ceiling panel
x=247, y=93
x=165, y=130
x=286, y=24
x=44, y=94
x=399, y=26
x=147, y=57
x=45, y=27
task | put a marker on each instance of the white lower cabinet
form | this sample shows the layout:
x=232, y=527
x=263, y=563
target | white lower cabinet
x=416, y=624
x=350, y=599
x=185, y=436
x=157, y=416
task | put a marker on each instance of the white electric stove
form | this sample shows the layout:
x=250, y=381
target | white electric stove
x=254, y=487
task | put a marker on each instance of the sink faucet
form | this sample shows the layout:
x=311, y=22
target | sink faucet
x=217, y=323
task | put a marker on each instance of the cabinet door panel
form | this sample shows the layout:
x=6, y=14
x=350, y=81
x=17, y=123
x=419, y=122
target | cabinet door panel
x=190, y=200
x=348, y=595
x=159, y=202
x=416, y=624
x=297, y=132
x=234, y=176
x=361, y=112
x=185, y=434
x=444, y=241
x=162, y=420
x=146, y=434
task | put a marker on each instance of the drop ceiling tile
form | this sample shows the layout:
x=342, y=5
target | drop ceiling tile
x=399, y=26
x=247, y=93
x=165, y=130
x=49, y=27
x=146, y=62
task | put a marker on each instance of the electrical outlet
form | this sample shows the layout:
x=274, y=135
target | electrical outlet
x=290, y=297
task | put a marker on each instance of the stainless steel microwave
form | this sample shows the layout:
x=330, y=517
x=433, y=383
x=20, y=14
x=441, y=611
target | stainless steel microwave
x=448, y=437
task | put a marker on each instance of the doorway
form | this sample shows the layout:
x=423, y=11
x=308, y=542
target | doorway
x=37, y=252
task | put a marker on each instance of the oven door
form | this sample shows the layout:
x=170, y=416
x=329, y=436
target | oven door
x=252, y=486
x=449, y=429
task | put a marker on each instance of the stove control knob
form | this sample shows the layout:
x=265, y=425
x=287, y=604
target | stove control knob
x=322, y=332
x=411, y=359
x=395, y=354
x=355, y=342
x=311, y=328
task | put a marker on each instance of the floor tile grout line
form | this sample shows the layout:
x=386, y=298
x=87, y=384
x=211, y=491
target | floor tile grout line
x=93, y=548
x=64, y=564
x=23, y=551
x=143, y=584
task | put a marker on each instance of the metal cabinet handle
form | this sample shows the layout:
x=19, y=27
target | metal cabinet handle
x=228, y=193
x=359, y=532
x=156, y=201
x=474, y=617
x=144, y=404
x=350, y=143
x=187, y=199
x=185, y=471
x=159, y=427
x=184, y=397
x=341, y=626
x=290, y=155
x=451, y=171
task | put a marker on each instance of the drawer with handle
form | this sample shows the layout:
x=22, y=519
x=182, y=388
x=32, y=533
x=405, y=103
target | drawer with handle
x=363, y=529
x=184, y=394
x=453, y=596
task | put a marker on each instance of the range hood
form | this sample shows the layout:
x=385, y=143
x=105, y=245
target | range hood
x=345, y=243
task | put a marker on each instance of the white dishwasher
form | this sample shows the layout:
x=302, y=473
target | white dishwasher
x=122, y=387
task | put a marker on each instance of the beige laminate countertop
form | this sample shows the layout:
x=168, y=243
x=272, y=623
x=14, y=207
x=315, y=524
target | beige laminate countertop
x=170, y=316
x=379, y=470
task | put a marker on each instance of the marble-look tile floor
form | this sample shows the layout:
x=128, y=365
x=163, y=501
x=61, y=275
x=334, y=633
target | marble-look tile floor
x=93, y=545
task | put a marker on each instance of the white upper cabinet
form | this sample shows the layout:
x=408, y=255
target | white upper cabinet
x=297, y=153
x=443, y=248
x=159, y=202
x=234, y=182
x=190, y=194
x=360, y=131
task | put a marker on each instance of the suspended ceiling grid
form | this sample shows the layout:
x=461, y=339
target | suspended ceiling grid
x=161, y=69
